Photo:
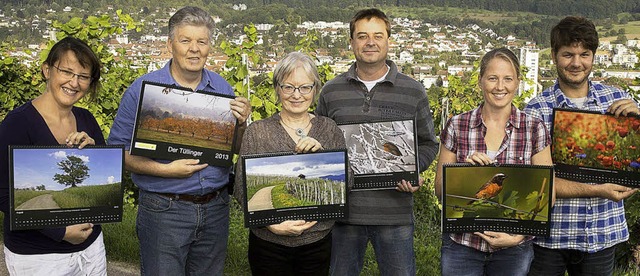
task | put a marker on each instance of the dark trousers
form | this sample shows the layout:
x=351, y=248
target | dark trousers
x=267, y=258
x=556, y=261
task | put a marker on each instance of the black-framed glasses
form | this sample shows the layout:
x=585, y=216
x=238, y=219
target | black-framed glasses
x=69, y=75
x=303, y=89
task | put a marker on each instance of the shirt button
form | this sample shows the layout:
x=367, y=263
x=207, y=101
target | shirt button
x=202, y=179
x=368, y=98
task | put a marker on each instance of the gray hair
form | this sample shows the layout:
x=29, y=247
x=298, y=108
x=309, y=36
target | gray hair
x=290, y=63
x=193, y=16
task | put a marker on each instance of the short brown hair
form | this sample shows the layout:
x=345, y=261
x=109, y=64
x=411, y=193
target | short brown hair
x=574, y=29
x=368, y=14
x=85, y=56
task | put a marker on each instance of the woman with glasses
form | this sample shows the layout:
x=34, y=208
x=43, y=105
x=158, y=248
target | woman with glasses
x=71, y=72
x=293, y=247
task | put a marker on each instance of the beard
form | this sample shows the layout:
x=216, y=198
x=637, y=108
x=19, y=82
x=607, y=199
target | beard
x=564, y=78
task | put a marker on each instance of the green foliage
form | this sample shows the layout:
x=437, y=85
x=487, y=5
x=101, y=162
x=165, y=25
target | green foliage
x=120, y=238
x=19, y=82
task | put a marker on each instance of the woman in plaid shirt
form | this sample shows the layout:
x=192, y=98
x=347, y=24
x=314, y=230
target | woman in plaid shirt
x=494, y=132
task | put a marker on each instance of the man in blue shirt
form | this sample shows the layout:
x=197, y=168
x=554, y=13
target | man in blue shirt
x=587, y=218
x=183, y=213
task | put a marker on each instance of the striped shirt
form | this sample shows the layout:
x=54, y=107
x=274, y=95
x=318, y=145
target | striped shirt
x=586, y=224
x=346, y=99
x=464, y=134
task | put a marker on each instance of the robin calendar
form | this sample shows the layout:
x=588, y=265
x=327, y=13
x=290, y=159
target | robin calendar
x=502, y=198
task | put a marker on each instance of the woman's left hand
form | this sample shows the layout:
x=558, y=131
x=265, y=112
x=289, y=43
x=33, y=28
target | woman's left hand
x=499, y=239
x=291, y=227
x=308, y=144
x=79, y=138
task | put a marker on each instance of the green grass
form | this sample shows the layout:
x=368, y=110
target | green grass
x=100, y=195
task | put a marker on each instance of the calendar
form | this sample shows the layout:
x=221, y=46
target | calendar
x=174, y=122
x=503, y=198
x=597, y=148
x=382, y=153
x=294, y=186
x=59, y=186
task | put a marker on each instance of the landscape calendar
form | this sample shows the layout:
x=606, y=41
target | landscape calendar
x=287, y=186
x=59, y=186
x=599, y=148
x=382, y=153
x=503, y=198
x=174, y=122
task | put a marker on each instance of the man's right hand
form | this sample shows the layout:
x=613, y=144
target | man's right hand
x=615, y=192
x=183, y=168
x=78, y=233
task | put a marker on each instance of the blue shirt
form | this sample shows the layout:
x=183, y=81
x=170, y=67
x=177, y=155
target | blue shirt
x=586, y=224
x=202, y=182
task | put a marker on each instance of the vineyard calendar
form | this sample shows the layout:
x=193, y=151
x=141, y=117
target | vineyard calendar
x=288, y=186
x=174, y=122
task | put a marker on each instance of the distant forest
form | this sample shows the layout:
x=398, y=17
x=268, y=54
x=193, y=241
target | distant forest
x=534, y=26
x=596, y=9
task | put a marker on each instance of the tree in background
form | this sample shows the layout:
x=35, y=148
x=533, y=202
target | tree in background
x=75, y=171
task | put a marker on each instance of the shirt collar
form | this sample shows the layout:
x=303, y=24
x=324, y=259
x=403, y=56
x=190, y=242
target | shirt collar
x=206, y=83
x=564, y=102
x=391, y=75
x=476, y=117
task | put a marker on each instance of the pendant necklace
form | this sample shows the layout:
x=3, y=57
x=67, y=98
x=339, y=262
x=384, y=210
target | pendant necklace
x=299, y=131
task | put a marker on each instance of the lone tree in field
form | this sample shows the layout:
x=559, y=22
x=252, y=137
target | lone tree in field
x=75, y=171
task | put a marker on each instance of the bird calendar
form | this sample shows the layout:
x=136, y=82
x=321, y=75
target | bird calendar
x=503, y=198
x=57, y=186
x=294, y=186
x=175, y=122
x=599, y=148
x=382, y=153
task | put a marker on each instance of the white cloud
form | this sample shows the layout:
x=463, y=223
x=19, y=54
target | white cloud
x=59, y=154
x=110, y=179
x=83, y=158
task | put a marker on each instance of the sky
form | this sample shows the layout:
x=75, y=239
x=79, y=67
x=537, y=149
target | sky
x=219, y=105
x=34, y=167
x=311, y=165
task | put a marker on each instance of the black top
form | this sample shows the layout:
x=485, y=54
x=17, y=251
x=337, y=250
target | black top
x=25, y=126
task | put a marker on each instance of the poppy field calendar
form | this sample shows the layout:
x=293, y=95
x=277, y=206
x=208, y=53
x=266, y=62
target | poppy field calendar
x=382, y=153
x=599, y=148
x=503, y=198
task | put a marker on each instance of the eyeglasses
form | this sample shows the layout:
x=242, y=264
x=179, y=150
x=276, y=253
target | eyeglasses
x=69, y=75
x=303, y=89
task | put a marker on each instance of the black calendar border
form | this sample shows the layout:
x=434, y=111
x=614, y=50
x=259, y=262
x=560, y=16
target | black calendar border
x=260, y=218
x=501, y=224
x=594, y=174
x=51, y=218
x=363, y=182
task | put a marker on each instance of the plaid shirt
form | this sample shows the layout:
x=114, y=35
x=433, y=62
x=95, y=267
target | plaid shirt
x=585, y=224
x=464, y=134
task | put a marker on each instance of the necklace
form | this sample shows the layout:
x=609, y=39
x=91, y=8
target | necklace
x=299, y=131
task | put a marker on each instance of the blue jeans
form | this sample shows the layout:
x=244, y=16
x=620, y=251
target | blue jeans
x=556, y=261
x=461, y=260
x=392, y=244
x=182, y=238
